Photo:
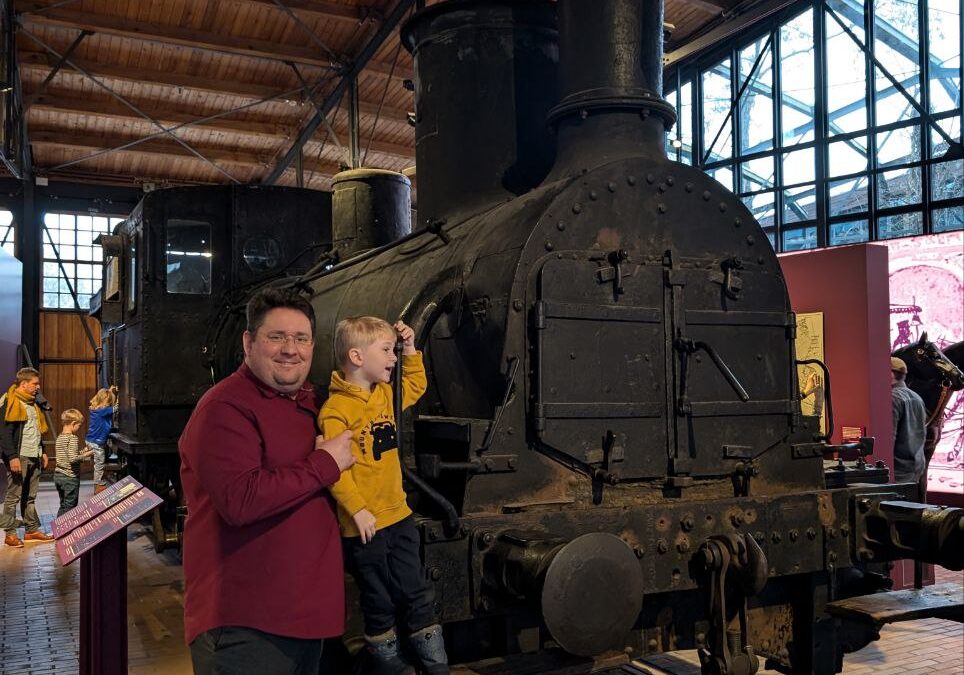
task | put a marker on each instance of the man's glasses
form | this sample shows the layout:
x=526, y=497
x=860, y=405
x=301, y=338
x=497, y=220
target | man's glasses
x=300, y=339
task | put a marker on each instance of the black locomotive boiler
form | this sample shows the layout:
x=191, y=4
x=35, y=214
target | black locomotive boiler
x=611, y=455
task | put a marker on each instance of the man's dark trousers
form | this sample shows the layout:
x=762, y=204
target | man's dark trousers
x=235, y=650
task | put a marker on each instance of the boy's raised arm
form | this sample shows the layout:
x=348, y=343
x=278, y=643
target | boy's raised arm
x=414, y=382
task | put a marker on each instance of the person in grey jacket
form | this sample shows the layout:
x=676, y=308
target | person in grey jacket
x=21, y=429
x=910, y=418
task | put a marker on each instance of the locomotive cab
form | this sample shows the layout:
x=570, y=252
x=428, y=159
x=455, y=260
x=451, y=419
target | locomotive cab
x=171, y=320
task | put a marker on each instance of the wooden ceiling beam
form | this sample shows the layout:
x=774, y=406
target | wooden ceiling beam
x=108, y=108
x=189, y=38
x=356, y=14
x=709, y=6
x=166, y=148
x=44, y=62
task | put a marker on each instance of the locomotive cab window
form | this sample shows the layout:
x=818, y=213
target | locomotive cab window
x=188, y=252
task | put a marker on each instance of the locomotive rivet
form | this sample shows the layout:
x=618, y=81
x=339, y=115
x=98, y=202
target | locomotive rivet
x=517, y=305
x=737, y=519
x=552, y=390
x=688, y=187
x=572, y=356
x=706, y=196
x=577, y=208
x=558, y=256
x=432, y=534
x=583, y=114
x=611, y=186
x=650, y=178
x=759, y=537
x=737, y=222
x=833, y=556
x=759, y=357
x=631, y=180
x=435, y=573
x=832, y=533
x=548, y=245
x=638, y=550
x=628, y=651
x=661, y=546
x=670, y=180
x=699, y=359
x=700, y=638
x=765, y=645
x=485, y=539
x=661, y=208
x=750, y=239
x=794, y=535
x=652, y=644
x=661, y=188
x=811, y=533
x=683, y=545
x=687, y=523
x=593, y=195
x=722, y=207
x=511, y=462
x=845, y=531
x=560, y=226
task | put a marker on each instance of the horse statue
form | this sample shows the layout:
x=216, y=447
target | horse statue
x=935, y=376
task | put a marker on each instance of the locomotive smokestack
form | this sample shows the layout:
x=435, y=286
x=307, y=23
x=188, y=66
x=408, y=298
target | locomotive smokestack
x=485, y=79
x=611, y=82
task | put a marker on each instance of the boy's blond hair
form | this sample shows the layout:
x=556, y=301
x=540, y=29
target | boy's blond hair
x=102, y=399
x=357, y=332
x=71, y=415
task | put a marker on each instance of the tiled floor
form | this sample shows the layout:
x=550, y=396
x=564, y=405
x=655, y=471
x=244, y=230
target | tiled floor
x=39, y=610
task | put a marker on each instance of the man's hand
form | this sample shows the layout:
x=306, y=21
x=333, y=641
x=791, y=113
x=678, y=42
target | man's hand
x=407, y=335
x=365, y=522
x=338, y=447
x=43, y=461
x=15, y=465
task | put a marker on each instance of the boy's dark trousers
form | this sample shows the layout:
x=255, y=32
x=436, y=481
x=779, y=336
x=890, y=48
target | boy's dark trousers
x=391, y=583
x=68, y=487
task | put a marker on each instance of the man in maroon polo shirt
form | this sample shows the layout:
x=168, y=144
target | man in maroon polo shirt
x=263, y=571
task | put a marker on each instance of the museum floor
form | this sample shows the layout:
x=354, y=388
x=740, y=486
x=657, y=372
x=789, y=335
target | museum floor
x=39, y=618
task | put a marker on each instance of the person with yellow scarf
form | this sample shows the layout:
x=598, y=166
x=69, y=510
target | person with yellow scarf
x=21, y=430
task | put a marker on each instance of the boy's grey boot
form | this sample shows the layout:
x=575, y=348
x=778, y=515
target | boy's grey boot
x=385, y=660
x=429, y=645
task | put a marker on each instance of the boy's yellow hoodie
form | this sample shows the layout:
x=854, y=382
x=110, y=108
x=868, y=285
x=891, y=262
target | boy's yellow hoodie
x=374, y=482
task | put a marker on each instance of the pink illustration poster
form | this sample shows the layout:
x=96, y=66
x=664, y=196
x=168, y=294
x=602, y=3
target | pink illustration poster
x=927, y=294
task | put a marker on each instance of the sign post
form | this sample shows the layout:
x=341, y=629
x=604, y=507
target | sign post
x=95, y=532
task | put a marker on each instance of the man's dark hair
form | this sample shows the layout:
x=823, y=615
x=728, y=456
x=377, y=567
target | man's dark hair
x=272, y=298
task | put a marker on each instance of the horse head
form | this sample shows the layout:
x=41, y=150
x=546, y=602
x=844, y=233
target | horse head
x=927, y=363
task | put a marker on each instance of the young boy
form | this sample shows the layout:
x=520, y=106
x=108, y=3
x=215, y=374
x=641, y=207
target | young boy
x=380, y=539
x=68, y=459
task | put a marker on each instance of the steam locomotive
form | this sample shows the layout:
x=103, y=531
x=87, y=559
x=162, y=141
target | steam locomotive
x=611, y=456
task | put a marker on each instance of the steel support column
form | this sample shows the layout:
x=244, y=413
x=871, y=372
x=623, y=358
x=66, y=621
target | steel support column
x=386, y=29
x=354, y=122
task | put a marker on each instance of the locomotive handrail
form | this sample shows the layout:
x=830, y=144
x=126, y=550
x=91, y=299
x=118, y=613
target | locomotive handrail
x=451, y=515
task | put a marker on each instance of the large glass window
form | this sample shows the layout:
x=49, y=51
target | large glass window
x=71, y=259
x=8, y=232
x=820, y=143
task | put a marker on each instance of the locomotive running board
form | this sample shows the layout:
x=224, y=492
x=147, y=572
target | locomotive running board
x=941, y=601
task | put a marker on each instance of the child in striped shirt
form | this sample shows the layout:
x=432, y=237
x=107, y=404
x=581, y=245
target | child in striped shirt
x=68, y=459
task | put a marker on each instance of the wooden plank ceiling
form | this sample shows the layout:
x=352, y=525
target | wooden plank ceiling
x=232, y=72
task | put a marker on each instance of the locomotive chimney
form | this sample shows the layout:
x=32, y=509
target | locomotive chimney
x=485, y=79
x=610, y=82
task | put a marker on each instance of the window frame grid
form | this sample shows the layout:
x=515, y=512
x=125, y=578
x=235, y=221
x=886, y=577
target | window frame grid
x=694, y=69
x=73, y=280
